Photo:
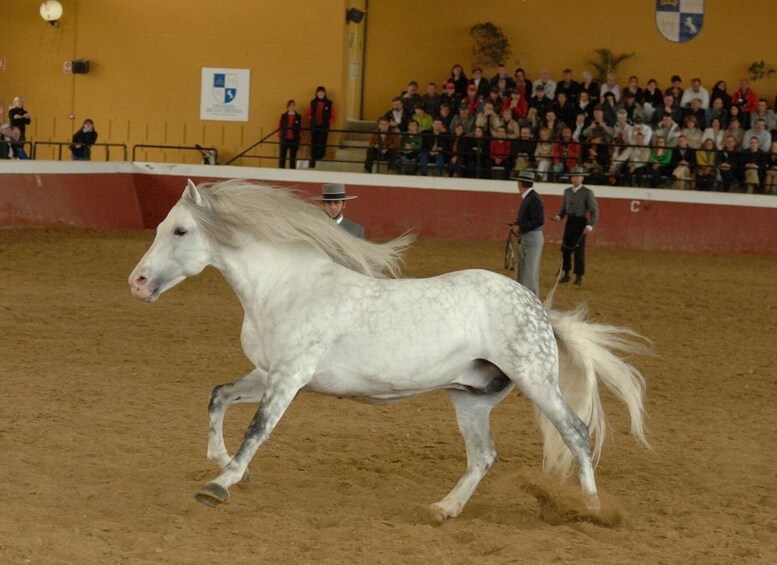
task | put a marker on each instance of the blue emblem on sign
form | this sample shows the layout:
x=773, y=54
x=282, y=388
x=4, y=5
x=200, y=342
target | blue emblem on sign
x=224, y=87
x=679, y=20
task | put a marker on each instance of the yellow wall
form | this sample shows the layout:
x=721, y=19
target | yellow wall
x=411, y=39
x=146, y=59
x=146, y=55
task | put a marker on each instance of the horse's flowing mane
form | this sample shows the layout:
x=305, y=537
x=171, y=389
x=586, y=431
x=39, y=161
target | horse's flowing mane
x=281, y=216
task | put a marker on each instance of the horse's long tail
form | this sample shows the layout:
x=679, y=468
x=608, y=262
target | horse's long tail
x=588, y=353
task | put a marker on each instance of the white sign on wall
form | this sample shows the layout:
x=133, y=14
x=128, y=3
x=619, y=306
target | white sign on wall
x=224, y=94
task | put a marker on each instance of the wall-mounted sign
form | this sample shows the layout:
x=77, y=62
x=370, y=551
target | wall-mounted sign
x=225, y=94
x=679, y=20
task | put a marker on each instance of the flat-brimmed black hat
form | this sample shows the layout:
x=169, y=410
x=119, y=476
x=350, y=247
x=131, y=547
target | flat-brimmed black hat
x=334, y=191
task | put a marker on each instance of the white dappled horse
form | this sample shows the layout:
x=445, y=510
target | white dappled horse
x=321, y=317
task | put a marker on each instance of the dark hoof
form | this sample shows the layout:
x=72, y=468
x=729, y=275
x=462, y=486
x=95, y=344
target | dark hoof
x=246, y=480
x=211, y=495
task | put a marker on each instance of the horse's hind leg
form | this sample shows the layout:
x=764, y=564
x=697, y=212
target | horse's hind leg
x=472, y=413
x=248, y=389
x=573, y=431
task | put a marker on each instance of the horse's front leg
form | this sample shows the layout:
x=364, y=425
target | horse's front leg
x=282, y=386
x=248, y=389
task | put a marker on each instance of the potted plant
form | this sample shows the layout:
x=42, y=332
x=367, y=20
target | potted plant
x=490, y=45
x=606, y=62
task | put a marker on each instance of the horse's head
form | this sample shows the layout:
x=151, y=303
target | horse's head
x=180, y=250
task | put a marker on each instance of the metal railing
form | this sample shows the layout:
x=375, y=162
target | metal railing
x=208, y=155
x=60, y=144
x=244, y=153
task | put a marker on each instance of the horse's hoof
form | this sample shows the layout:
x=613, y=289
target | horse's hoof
x=211, y=495
x=246, y=480
x=592, y=503
x=437, y=513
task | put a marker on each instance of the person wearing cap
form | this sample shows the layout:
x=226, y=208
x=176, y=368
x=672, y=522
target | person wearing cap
x=540, y=102
x=547, y=83
x=482, y=86
x=472, y=99
x=528, y=227
x=450, y=97
x=333, y=196
x=582, y=212
x=465, y=118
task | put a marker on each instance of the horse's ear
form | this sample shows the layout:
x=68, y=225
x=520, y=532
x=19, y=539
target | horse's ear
x=193, y=193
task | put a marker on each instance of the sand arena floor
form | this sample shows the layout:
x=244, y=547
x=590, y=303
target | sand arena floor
x=103, y=426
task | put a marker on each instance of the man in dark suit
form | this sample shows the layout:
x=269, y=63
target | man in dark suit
x=333, y=195
x=528, y=225
x=581, y=211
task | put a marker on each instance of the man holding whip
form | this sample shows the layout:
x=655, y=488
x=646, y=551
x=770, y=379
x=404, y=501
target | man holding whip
x=528, y=227
x=582, y=212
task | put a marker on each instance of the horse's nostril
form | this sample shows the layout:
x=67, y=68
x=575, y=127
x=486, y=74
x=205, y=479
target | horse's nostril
x=139, y=281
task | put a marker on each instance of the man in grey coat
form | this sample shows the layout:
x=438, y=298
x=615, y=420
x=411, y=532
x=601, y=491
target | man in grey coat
x=334, y=196
x=581, y=211
x=528, y=225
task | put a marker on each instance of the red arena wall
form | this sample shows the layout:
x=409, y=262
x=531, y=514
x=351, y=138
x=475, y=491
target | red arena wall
x=139, y=195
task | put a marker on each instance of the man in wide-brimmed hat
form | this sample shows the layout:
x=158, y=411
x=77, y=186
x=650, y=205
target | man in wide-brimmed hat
x=531, y=217
x=334, y=196
x=581, y=211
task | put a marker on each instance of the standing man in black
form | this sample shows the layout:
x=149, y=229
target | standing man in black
x=531, y=217
x=582, y=213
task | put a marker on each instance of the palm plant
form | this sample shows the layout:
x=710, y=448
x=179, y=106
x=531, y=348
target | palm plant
x=759, y=70
x=606, y=63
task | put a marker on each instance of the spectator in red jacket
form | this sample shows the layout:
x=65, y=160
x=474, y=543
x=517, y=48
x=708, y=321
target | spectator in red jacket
x=566, y=152
x=746, y=100
x=500, y=150
x=518, y=105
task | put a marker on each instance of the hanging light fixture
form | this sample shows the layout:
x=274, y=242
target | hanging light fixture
x=51, y=11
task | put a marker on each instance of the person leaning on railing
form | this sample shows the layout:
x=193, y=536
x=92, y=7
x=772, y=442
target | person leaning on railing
x=730, y=165
x=770, y=183
x=384, y=143
x=706, y=166
x=83, y=139
x=658, y=168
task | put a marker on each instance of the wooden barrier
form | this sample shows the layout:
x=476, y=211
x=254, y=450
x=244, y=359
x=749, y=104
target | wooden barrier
x=139, y=195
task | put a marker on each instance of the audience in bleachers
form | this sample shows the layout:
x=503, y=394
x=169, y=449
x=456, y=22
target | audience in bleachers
x=687, y=137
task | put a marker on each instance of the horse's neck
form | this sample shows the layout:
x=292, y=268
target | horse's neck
x=256, y=269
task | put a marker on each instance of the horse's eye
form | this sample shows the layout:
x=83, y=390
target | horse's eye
x=179, y=232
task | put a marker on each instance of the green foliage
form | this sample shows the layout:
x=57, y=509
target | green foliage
x=490, y=45
x=606, y=62
x=759, y=70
